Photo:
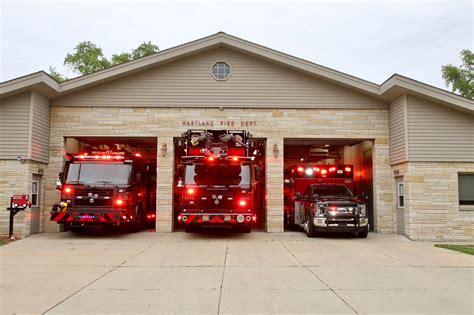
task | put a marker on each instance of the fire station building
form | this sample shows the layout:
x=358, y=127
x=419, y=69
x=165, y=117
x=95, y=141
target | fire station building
x=411, y=144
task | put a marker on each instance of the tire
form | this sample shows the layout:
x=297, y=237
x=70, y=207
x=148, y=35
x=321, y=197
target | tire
x=139, y=224
x=289, y=223
x=78, y=229
x=364, y=233
x=189, y=229
x=245, y=229
x=309, y=228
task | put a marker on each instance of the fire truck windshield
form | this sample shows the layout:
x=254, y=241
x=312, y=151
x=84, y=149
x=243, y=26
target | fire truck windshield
x=98, y=173
x=218, y=175
x=330, y=191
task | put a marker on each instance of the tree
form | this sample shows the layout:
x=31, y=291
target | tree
x=56, y=75
x=87, y=58
x=461, y=78
x=143, y=50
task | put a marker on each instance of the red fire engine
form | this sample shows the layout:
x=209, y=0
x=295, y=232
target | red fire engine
x=216, y=182
x=114, y=188
x=320, y=198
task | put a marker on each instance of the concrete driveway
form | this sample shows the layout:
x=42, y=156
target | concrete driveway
x=232, y=273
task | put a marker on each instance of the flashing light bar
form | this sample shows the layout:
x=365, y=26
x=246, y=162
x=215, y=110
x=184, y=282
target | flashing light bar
x=107, y=155
x=99, y=157
x=324, y=170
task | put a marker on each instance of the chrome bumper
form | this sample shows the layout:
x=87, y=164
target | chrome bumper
x=324, y=222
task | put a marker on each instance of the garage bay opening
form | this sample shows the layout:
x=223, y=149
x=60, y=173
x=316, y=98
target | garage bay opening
x=328, y=185
x=219, y=180
x=107, y=182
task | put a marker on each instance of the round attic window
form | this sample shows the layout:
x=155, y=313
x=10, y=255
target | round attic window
x=221, y=70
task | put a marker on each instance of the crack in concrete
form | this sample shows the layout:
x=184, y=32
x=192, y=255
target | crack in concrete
x=222, y=280
x=316, y=276
x=102, y=276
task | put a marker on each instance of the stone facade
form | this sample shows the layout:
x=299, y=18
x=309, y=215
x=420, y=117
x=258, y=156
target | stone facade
x=15, y=178
x=273, y=125
x=432, y=211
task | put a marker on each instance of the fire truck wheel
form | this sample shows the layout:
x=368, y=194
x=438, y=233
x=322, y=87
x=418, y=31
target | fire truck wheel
x=78, y=229
x=245, y=229
x=364, y=233
x=190, y=229
x=309, y=227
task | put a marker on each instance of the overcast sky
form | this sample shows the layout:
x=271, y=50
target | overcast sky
x=368, y=39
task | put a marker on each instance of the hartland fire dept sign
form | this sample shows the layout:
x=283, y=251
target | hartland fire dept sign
x=219, y=123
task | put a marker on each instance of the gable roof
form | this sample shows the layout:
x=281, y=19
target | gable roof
x=388, y=91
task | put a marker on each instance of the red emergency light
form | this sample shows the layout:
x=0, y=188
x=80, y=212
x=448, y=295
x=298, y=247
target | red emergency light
x=190, y=191
x=119, y=202
x=194, y=151
x=67, y=190
x=235, y=158
x=211, y=159
x=347, y=169
x=300, y=169
x=99, y=157
x=236, y=151
x=243, y=203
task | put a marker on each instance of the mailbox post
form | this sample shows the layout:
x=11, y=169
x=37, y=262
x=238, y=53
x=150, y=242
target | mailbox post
x=17, y=204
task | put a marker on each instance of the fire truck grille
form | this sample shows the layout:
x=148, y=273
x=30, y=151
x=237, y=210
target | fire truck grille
x=86, y=201
x=212, y=202
x=216, y=188
x=100, y=192
x=93, y=197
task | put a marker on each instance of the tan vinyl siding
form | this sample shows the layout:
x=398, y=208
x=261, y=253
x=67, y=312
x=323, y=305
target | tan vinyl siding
x=14, y=126
x=40, y=129
x=188, y=83
x=398, y=131
x=438, y=133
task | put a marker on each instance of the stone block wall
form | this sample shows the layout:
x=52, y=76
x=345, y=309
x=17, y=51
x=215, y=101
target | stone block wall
x=15, y=178
x=432, y=211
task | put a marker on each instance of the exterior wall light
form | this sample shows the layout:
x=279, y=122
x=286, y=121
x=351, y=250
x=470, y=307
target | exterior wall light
x=163, y=149
x=275, y=150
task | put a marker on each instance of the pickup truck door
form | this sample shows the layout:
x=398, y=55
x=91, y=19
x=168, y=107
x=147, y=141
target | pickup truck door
x=299, y=212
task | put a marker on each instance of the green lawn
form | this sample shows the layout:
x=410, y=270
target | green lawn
x=3, y=242
x=467, y=249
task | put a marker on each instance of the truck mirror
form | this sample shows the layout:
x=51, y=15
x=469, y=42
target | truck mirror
x=139, y=178
x=179, y=170
x=59, y=181
x=257, y=173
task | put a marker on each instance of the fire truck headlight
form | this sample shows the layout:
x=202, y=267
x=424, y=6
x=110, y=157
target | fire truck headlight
x=362, y=210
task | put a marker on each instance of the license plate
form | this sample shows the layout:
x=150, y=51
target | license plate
x=205, y=218
x=87, y=216
x=227, y=218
